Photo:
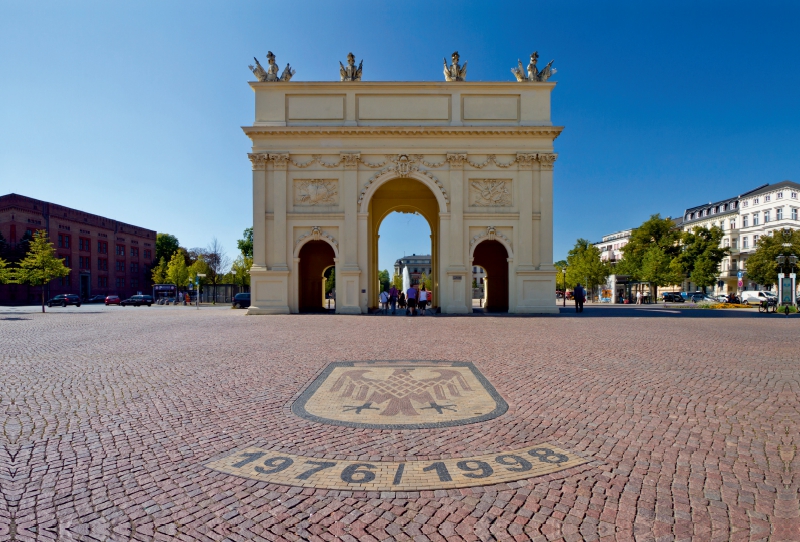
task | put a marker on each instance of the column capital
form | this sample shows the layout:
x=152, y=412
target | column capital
x=258, y=160
x=281, y=160
x=547, y=160
x=526, y=160
x=350, y=159
x=456, y=159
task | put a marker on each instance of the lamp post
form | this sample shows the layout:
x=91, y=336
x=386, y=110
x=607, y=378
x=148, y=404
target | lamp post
x=234, y=279
x=197, y=283
x=564, y=273
x=786, y=283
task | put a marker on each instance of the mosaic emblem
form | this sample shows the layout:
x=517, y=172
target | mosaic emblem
x=400, y=395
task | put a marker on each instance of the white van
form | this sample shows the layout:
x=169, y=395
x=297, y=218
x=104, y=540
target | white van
x=754, y=297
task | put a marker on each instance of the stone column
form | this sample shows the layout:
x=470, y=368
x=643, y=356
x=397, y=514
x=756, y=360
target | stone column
x=259, y=162
x=457, y=275
x=349, y=299
x=528, y=204
x=546, y=162
x=280, y=166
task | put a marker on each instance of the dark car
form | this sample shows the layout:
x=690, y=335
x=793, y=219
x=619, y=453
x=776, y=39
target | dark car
x=672, y=297
x=138, y=301
x=96, y=299
x=241, y=301
x=64, y=300
x=113, y=300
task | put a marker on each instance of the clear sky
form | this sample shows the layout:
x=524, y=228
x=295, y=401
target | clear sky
x=133, y=110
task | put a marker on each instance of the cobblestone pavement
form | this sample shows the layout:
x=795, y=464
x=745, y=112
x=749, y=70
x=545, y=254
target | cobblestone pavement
x=689, y=425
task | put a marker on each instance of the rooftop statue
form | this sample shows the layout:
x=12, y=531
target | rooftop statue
x=350, y=72
x=271, y=73
x=454, y=72
x=533, y=73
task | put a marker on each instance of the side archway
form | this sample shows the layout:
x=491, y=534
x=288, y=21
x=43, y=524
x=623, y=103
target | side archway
x=493, y=257
x=314, y=258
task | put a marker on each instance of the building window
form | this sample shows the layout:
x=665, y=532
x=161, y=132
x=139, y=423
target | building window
x=102, y=282
x=726, y=242
x=102, y=264
x=780, y=195
x=120, y=282
x=755, y=219
x=120, y=250
x=134, y=283
x=734, y=243
x=134, y=252
x=733, y=224
x=84, y=244
x=102, y=247
x=794, y=195
x=779, y=213
x=744, y=242
x=755, y=240
x=65, y=281
x=120, y=266
x=766, y=217
x=744, y=203
x=134, y=268
x=767, y=197
x=755, y=201
x=794, y=214
x=147, y=254
x=734, y=265
x=744, y=221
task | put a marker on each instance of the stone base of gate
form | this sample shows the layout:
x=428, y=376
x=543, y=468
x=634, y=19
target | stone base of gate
x=268, y=291
x=536, y=292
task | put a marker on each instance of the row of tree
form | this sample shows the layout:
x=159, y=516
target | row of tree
x=660, y=254
x=37, y=267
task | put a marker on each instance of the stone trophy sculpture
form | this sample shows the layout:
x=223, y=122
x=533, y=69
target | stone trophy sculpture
x=271, y=73
x=350, y=72
x=454, y=72
x=534, y=75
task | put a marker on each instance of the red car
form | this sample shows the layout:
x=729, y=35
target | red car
x=112, y=300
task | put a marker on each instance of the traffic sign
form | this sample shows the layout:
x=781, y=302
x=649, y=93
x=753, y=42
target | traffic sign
x=741, y=284
x=740, y=275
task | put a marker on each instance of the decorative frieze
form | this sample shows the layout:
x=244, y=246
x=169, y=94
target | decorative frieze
x=316, y=234
x=490, y=193
x=316, y=192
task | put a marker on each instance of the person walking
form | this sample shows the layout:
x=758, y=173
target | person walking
x=393, y=298
x=423, y=300
x=411, y=300
x=384, y=300
x=580, y=296
x=638, y=297
x=401, y=300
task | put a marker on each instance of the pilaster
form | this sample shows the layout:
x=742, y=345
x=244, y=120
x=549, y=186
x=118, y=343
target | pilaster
x=259, y=163
x=280, y=163
x=528, y=192
x=546, y=162
x=458, y=277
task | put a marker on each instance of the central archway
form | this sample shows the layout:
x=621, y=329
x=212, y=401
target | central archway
x=405, y=195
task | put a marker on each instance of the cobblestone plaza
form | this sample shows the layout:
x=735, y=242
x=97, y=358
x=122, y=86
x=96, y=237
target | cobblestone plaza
x=170, y=423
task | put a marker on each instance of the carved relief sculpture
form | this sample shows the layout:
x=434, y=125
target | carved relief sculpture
x=350, y=72
x=454, y=72
x=534, y=75
x=271, y=73
x=316, y=192
x=490, y=193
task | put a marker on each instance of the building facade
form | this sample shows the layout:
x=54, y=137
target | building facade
x=417, y=265
x=611, y=245
x=743, y=220
x=105, y=256
x=332, y=160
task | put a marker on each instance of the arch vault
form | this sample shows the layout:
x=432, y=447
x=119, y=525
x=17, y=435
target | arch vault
x=331, y=160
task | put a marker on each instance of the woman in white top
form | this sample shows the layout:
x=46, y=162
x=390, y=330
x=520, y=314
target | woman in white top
x=423, y=300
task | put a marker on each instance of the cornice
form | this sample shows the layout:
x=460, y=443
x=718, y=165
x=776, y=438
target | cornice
x=403, y=131
x=393, y=86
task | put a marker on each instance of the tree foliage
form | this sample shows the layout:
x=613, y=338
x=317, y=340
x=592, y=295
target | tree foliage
x=425, y=279
x=177, y=272
x=584, y=265
x=761, y=265
x=166, y=246
x=40, y=265
x=245, y=244
x=397, y=281
x=383, y=279
x=159, y=272
x=700, y=255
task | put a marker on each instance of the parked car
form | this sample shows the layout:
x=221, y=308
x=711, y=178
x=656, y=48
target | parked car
x=96, y=299
x=722, y=298
x=700, y=297
x=138, y=301
x=64, y=300
x=241, y=301
x=755, y=297
x=672, y=297
x=113, y=300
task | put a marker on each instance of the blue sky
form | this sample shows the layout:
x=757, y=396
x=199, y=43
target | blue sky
x=133, y=110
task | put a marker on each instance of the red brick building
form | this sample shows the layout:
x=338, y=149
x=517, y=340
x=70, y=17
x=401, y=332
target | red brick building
x=105, y=256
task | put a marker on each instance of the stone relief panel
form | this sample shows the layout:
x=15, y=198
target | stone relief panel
x=490, y=193
x=316, y=192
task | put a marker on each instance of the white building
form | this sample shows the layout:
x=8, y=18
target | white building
x=611, y=245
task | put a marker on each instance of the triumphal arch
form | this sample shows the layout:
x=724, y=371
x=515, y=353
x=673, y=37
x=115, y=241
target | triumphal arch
x=332, y=159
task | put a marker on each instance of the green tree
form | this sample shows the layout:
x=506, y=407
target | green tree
x=177, y=272
x=159, y=272
x=383, y=279
x=761, y=265
x=330, y=282
x=700, y=255
x=166, y=246
x=40, y=265
x=242, y=266
x=199, y=267
x=6, y=274
x=656, y=268
x=655, y=231
x=246, y=244
x=585, y=266
x=426, y=280
x=397, y=281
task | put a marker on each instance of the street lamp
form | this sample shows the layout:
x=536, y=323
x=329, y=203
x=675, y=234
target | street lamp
x=564, y=272
x=234, y=279
x=786, y=283
x=197, y=283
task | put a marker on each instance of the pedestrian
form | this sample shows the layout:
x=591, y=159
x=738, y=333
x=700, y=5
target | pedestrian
x=580, y=296
x=384, y=299
x=423, y=300
x=393, y=298
x=411, y=300
x=638, y=297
